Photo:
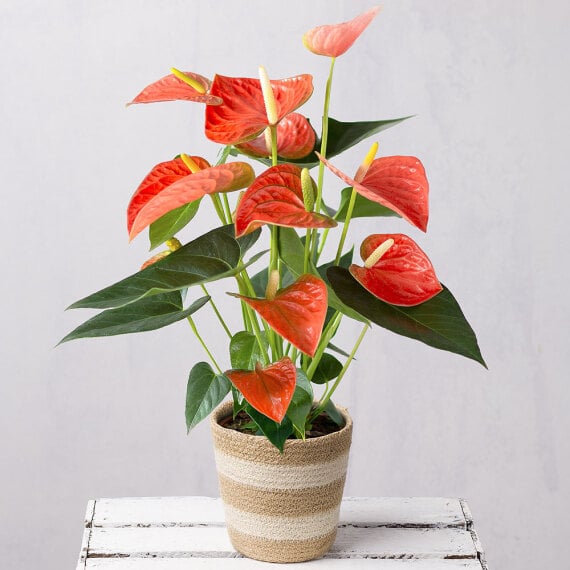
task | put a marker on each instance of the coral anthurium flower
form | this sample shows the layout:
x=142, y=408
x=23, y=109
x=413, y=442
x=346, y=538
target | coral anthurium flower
x=296, y=312
x=172, y=88
x=397, y=182
x=334, y=40
x=242, y=115
x=396, y=270
x=276, y=197
x=269, y=390
x=172, y=184
x=295, y=139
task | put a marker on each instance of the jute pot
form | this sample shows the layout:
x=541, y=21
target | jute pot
x=280, y=507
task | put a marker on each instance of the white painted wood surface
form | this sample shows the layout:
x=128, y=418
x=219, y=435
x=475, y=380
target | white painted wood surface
x=162, y=533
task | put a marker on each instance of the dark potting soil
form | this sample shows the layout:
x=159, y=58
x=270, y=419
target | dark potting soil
x=322, y=425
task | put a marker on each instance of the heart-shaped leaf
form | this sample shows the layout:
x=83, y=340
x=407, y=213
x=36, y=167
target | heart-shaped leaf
x=276, y=197
x=292, y=252
x=204, y=392
x=398, y=183
x=297, y=312
x=158, y=195
x=334, y=414
x=277, y=433
x=334, y=40
x=210, y=257
x=171, y=88
x=301, y=403
x=269, y=390
x=245, y=351
x=328, y=369
x=403, y=275
x=171, y=223
x=242, y=116
x=147, y=314
x=363, y=207
x=295, y=139
x=438, y=322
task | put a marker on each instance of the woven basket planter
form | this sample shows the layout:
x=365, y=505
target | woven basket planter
x=280, y=507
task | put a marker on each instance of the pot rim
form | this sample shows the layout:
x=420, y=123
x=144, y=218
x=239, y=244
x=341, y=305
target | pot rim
x=225, y=409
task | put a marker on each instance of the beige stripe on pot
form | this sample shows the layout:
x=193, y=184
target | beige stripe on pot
x=263, y=475
x=288, y=502
x=283, y=528
x=281, y=551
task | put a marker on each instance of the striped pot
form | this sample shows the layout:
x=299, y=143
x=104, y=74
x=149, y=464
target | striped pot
x=280, y=507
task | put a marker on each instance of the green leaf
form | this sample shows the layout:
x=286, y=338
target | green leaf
x=246, y=241
x=213, y=256
x=341, y=136
x=171, y=223
x=276, y=433
x=300, y=404
x=344, y=135
x=205, y=391
x=363, y=207
x=334, y=414
x=338, y=350
x=146, y=314
x=244, y=351
x=327, y=369
x=292, y=252
x=438, y=322
x=344, y=261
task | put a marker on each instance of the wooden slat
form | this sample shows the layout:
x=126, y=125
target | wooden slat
x=246, y=564
x=378, y=542
x=83, y=553
x=163, y=533
x=197, y=511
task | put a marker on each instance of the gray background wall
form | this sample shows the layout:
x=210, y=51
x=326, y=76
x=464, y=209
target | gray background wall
x=488, y=82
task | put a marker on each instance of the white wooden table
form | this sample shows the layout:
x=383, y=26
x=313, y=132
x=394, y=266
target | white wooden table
x=181, y=533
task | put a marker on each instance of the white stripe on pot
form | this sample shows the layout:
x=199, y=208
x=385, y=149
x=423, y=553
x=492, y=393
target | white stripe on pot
x=283, y=528
x=281, y=476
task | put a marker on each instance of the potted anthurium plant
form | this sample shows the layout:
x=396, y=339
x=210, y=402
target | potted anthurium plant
x=281, y=444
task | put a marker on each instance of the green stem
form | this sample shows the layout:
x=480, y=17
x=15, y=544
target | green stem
x=307, y=252
x=345, y=227
x=327, y=335
x=201, y=340
x=219, y=209
x=324, y=140
x=243, y=285
x=227, y=208
x=322, y=244
x=326, y=397
x=218, y=314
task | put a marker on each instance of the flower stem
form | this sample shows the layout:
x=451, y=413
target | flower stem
x=345, y=227
x=218, y=314
x=328, y=333
x=201, y=340
x=324, y=140
x=219, y=209
x=326, y=397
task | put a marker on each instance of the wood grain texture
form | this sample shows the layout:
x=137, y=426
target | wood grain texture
x=387, y=533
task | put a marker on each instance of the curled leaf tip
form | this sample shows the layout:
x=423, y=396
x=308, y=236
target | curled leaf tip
x=377, y=254
x=188, y=80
